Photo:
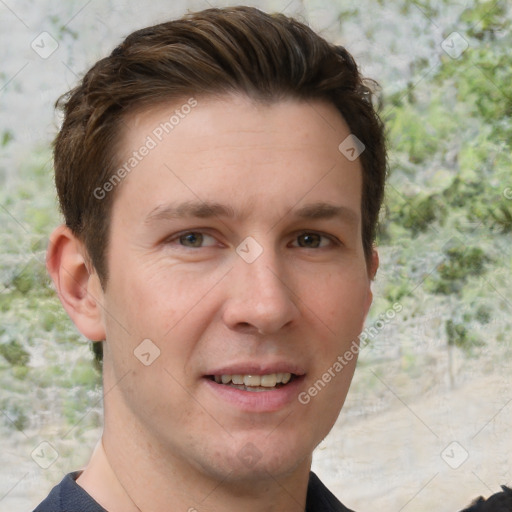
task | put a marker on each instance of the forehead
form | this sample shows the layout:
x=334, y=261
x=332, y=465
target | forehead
x=236, y=151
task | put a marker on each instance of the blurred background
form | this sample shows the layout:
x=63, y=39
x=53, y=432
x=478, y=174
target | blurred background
x=427, y=421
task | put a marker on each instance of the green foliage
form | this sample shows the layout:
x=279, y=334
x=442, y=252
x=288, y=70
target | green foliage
x=419, y=212
x=411, y=133
x=32, y=277
x=484, y=73
x=483, y=314
x=14, y=353
x=396, y=292
x=15, y=414
x=460, y=263
x=460, y=336
x=460, y=193
x=42, y=356
x=7, y=136
x=502, y=216
x=450, y=137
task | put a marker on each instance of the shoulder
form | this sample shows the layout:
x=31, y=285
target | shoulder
x=320, y=499
x=68, y=496
x=499, y=502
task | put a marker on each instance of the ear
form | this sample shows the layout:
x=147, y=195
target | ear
x=76, y=281
x=373, y=265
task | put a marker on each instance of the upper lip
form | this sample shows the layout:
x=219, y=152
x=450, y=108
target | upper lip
x=253, y=368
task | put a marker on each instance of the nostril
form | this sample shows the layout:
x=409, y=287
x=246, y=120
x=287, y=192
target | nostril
x=246, y=328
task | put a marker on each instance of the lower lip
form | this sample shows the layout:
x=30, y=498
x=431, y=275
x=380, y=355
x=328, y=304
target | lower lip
x=257, y=401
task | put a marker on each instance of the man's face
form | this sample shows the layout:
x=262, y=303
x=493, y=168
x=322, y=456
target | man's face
x=235, y=247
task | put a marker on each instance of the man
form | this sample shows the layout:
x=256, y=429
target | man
x=220, y=178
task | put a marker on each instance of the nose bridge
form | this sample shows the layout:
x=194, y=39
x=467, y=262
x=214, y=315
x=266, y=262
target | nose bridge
x=260, y=295
x=263, y=277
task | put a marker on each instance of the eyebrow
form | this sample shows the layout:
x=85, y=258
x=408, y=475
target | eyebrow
x=204, y=210
x=198, y=209
x=326, y=211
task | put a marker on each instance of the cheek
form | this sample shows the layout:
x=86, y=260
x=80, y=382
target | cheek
x=339, y=300
x=171, y=307
x=155, y=299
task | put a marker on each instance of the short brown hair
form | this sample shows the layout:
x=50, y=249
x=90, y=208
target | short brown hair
x=268, y=57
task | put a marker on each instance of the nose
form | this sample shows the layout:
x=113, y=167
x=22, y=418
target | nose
x=261, y=298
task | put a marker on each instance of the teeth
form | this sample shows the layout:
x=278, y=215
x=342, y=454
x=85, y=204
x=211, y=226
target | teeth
x=237, y=379
x=251, y=380
x=266, y=381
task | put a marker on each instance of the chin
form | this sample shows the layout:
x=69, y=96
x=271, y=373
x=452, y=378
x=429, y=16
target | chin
x=256, y=457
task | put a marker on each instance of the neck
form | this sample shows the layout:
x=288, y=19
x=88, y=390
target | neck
x=124, y=477
x=101, y=482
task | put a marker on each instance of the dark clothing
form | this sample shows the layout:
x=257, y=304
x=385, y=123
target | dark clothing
x=320, y=499
x=68, y=496
x=499, y=502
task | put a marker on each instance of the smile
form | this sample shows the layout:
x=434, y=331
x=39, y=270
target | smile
x=254, y=382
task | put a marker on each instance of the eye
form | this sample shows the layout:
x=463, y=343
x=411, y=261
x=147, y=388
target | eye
x=312, y=240
x=195, y=239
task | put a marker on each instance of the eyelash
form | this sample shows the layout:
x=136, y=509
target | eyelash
x=333, y=240
x=176, y=238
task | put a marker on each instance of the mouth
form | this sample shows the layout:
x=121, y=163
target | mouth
x=255, y=387
x=255, y=383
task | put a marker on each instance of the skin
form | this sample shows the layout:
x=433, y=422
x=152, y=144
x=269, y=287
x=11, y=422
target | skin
x=168, y=438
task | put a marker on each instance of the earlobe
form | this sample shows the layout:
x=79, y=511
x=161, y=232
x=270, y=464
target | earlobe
x=77, y=285
x=374, y=264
